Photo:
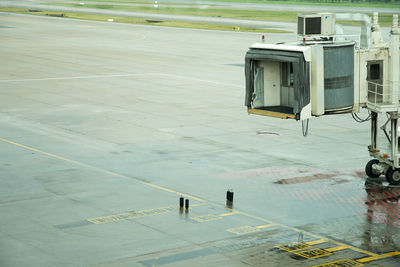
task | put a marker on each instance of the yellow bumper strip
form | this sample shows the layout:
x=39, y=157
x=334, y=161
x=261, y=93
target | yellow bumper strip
x=271, y=113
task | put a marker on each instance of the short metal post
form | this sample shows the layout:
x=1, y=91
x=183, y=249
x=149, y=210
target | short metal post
x=229, y=195
x=187, y=204
x=374, y=130
x=181, y=200
x=394, y=142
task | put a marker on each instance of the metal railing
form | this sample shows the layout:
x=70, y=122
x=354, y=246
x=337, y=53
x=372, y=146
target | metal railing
x=383, y=94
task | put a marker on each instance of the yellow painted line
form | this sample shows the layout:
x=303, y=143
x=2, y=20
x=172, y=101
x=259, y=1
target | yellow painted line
x=46, y=153
x=198, y=204
x=378, y=257
x=254, y=217
x=316, y=242
x=340, y=263
x=265, y=226
x=336, y=248
x=354, y=248
x=159, y=187
x=228, y=214
x=97, y=169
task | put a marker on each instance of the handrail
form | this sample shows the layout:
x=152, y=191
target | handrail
x=382, y=94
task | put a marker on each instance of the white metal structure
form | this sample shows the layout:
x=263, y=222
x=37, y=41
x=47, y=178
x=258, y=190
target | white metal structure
x=383, y=97
x=326, y=72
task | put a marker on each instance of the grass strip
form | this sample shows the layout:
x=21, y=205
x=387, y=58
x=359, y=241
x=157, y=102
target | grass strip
x=290, y=16
x=120, y=19
x=385, y=20
x=344, y=3
x=134, y=2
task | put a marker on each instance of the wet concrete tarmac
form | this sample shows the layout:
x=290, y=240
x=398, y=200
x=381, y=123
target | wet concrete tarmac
x=105, y=126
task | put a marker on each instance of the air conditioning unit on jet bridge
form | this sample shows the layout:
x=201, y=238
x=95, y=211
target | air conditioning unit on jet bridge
x=316, y=24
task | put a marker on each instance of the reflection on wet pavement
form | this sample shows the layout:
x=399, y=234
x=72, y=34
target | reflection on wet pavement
x=382, y=217
x=340, y=204
x=341, y=190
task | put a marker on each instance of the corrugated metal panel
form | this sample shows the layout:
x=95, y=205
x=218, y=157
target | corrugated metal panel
x=339, y=76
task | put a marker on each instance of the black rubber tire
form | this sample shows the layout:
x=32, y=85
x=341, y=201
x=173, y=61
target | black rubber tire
x=368, y=168
x=393, y=176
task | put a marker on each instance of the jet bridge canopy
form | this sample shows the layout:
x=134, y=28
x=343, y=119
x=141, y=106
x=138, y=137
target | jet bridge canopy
x=277, y=80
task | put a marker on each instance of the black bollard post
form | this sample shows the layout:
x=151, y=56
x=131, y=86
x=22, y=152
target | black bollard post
x=187, y=204
x=229, y=195
x=181, y=203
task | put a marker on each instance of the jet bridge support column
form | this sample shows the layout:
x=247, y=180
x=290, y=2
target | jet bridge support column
x=395, y=149
x=374, y=131
x=393, y=171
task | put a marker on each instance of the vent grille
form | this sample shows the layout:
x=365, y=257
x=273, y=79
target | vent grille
x=338, y=82
x=313, y=26
x=300, y=25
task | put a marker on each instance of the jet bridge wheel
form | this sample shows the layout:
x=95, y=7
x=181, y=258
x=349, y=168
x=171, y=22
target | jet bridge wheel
x=371, y=172
x=393, y=176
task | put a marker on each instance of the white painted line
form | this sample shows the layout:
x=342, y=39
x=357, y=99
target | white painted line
x=79, y=77
x=121, y=75
x=200, y=80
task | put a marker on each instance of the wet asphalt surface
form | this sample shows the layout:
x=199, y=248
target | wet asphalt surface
x=105, y=126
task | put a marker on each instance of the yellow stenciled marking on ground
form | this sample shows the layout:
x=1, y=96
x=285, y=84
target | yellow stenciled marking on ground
x=310, y=234
x=97, y=169
x=336, y=248
x=265, y=226
x=212, y=217
x=206, y=218
x=313, y=253
x=243, y=230
x=228, y=214
x=134, y=214
x=340, y=263
x=295, y=246
x=316, y=242
x=129, y=215
x=248, y=229
x=378, y=257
